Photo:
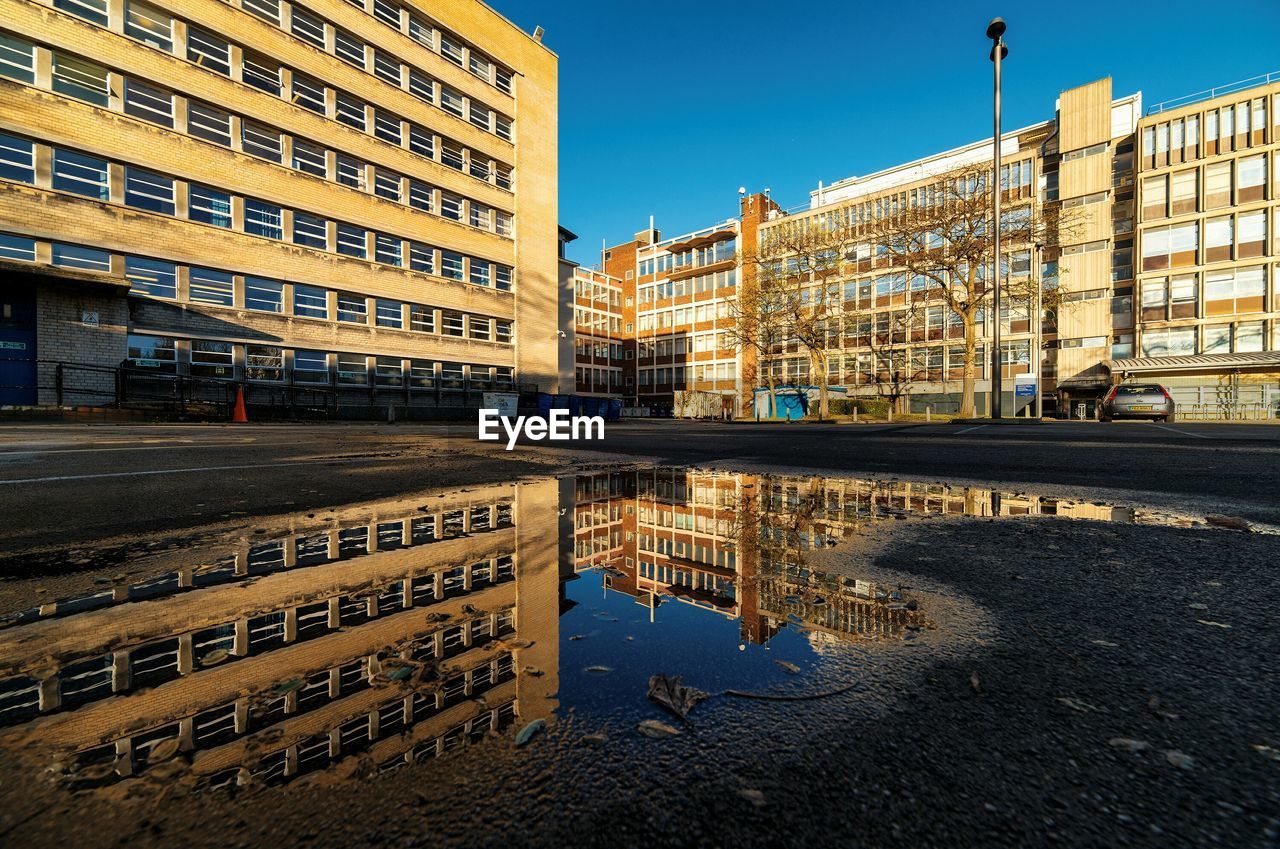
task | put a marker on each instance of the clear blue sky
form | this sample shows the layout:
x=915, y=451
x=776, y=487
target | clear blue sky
x=668, y=106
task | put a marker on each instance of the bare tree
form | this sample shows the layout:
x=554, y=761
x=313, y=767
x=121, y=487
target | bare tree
x=760, y=325
x=946, y=240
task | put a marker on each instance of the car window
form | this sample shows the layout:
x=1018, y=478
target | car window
x=1137, y=390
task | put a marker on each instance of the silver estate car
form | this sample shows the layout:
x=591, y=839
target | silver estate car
x=1137, y=401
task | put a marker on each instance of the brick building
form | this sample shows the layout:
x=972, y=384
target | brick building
x=351, y=196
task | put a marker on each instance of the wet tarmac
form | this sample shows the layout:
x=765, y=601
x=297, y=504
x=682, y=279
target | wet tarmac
x=483, y=645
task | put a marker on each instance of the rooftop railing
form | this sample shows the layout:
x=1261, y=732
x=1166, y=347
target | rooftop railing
x=1210, y=94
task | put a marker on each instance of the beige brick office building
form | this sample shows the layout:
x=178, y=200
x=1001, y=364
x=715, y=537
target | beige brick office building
x=351, y=197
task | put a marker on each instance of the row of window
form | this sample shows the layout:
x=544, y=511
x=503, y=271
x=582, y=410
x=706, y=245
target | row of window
x=430, y=35
x=215, y=287
x=90, y=176
x=688, y=286
x=669, y=375
x=1223, y=238
x=1232, y=127
x=1230, y=291
x=1220, y=184
x=720, y=251
x=1241, y=337
x=273, y=364
x=666, y=318
x=211, y=51
x=94, y=83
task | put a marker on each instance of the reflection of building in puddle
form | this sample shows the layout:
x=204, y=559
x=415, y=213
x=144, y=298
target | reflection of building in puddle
x=736, y=545
x=392, y=632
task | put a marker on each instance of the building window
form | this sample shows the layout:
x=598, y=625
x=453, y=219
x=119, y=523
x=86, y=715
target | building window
x=90, y=10
x=262, y=74
x=353, y=369
x=451, y=49
x=388, y=13
x=212, y=359
x=451, y=206
x=306, y=26
x=386, y=68
x=502, y=332
x=310, y=230
x=480, y=272
x=353, y=241
x=420, y=196
x=452, y=375
x=309, y=158
x=502, y=78
x=422, y=258
x=1217, y=185
x=80, y=174
x=351, y=111
x=353, y=309
x=310, y=367
x=390, y=314
x=388, y=371
x=264, y=362
x=151, y=277
x=310, y=302
x=308, y=94
x=388, y=250
x=207, y=286
x=451, y=101
x=502, y=127
x=209, y=206
x=480, y=328
x=268, y=9
x=451, y=155
x=348, y=48
x=17, y=159
x=263, y=219
x=421, y=141
x=261, y=141
x=17, y=247
x=503, y=224
x=81, y=80
x=421, y=32
x=422, y=86
x=350, y=172
x=480, y=215
x=77, y=256
x=209, y=51
x=1251, y=179
x=422, y=319
x=148, y=25
x=387, y=127
x=451, y=265
x=422, y=374
x=205, y=122
x=148, y=103
x=17, y=59
x=481, y=116
x=502, y=176
x=145, y=190
x=502, y=277
x=1170, y=247
x=1234, y=291
x=263, y=295
x=157, y=353
x=452, y=324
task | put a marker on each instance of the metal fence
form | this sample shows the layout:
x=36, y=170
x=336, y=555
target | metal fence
x=127, y=387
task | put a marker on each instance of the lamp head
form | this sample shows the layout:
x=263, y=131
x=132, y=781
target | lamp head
x=1004, y=52
x=995, y=29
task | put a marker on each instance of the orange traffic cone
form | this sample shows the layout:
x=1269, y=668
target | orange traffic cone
x=238, y=415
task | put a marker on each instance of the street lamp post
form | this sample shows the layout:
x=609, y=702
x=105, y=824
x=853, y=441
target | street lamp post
x=995, y=32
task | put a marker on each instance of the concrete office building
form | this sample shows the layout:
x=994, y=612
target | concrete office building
x=347, y=196
x=1208, y=218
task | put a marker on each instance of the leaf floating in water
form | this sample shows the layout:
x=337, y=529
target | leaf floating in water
x=790, y=667
x=1077, y=705
x=214, y=657
x=1213, y=624
x=576, y=637
x=1179, y=759
x=599, y=670
x=1106, y=643
x=755, y=797
x=287, y=686
x=594, y=739
x=673, y=695
x=530, y=731
x=657, y=730
x=1198, y=606
x=164, y=750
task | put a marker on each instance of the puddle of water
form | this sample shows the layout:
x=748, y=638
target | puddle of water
x=401, y=631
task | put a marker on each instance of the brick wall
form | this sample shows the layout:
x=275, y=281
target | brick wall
x=62, y=334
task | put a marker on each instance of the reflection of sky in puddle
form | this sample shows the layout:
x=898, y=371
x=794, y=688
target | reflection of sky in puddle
x=701, y=645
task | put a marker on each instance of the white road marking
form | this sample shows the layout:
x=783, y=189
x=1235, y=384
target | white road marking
x=1183, y=432
x=174, y=471
x=134, y=448
x=966, y=430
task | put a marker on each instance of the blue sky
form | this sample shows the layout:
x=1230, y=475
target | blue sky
x=668, y=106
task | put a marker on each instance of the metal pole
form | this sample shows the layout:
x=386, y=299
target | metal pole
x=996, y=388
x=1039, y=357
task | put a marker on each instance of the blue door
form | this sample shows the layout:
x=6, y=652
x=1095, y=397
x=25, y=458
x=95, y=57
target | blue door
x=17, y=346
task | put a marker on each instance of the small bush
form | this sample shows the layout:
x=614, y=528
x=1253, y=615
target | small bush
x=877, y=407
